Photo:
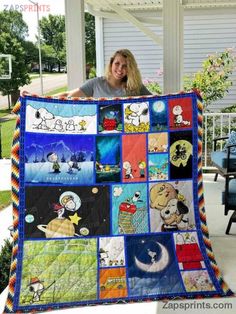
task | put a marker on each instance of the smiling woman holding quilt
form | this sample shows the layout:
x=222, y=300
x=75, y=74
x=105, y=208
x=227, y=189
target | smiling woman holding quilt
x=122, y=78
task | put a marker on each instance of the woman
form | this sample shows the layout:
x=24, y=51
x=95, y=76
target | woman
x=122, y=78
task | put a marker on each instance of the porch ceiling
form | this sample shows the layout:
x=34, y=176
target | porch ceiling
x=129, y=5
x=131, y=11
x=150, y=5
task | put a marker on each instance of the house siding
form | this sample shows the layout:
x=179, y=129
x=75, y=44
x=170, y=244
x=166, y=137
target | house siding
x=206, y=31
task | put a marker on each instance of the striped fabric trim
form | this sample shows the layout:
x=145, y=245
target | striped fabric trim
x=15, y=157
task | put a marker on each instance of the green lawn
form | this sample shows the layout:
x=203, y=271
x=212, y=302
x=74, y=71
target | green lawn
x=4, y=112
x=36, y=75
x=7, y=130
x=5, y=199
x=56, y=91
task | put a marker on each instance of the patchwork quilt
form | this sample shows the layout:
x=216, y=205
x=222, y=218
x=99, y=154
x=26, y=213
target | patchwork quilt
x=108, y=203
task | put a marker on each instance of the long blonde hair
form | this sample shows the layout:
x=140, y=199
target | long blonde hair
x=133, y=81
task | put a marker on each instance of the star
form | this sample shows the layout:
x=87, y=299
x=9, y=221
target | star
x=75, y=219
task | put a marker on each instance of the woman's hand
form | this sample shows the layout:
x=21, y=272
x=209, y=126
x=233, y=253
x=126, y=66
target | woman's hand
x=24, y=93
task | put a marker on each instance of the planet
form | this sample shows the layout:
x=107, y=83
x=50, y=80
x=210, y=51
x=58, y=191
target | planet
x=94, y=190
x=84, y=231
x=158, y=106
x=58, y=228
x=29, y=218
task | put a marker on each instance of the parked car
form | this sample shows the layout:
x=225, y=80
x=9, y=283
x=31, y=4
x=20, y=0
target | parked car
x=62, y=69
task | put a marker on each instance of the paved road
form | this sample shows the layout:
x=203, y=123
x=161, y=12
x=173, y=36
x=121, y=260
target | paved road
x=50, y=82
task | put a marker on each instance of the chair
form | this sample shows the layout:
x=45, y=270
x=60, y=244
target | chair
x=223, y=160
x=229, y=199
x=231, y=220
x=229, y=194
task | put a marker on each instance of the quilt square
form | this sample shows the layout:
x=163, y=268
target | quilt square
x=134, y=165
x=108, y=159
x=152, y=266
x=130, y=209
x=59, y=211
x=59, y=159
x=110, y=118
x=51, y=118
x=159, y=114
x=52, y=272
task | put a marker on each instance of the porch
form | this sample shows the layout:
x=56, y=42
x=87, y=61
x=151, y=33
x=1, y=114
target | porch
x=174, y=35
x=215, y=125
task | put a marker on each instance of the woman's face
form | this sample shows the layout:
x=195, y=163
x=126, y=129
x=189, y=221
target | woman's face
x=119, y=67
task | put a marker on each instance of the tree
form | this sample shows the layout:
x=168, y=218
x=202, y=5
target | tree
x=31, y=52
x=4, y=66
x=13, y=30
x=53, y=33
x=48, y=56
x=20, y=77
x=5, y=262
x=90, y=39
x=12, y=23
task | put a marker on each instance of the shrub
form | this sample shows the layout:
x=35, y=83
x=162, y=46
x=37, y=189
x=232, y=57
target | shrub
x=5, y=262
x=213, y=81
x=153, y=86
x=92, y=72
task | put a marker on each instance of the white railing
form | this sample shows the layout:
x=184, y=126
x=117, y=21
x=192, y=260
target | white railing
x=215, y=125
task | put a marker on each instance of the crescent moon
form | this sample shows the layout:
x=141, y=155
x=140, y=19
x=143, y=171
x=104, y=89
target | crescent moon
x=155, y=266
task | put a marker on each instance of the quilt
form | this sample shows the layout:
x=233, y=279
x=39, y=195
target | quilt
x=108, y=203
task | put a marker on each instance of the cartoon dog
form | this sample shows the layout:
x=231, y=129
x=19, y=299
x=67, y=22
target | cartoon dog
x=200, y=281
x=203, y=282
x=128, y=170
x=43, y=115
x=137, y=113
x=174, y=216
x=173, y=211
x=37, y=288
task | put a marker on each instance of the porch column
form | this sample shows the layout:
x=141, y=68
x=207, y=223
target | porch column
x=75, y=43
x=173, y=45
x=100, y=64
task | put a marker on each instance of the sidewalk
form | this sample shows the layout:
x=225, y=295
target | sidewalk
x=6, y=214
x=8, y=117
x=5, y=175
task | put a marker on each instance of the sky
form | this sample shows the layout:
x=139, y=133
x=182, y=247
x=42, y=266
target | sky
x=29, y=11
